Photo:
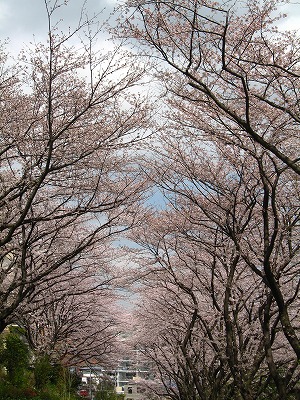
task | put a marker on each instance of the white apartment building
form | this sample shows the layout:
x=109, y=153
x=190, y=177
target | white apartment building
x=127, y=370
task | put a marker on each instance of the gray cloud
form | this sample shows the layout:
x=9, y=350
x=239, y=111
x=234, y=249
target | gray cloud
x=24, y=21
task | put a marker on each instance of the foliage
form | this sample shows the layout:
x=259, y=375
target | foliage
x=19, y=381
x=44, y=372
x=105, y=391
x=11, y=392
x=54, y=381
x=14, y=356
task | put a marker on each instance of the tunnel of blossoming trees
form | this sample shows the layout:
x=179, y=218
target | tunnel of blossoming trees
x=149, y=202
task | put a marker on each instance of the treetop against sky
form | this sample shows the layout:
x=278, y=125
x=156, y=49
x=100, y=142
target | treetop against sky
x=22, y=21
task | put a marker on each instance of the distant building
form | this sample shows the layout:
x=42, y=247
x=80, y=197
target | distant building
x=136, y=391
x=131, y=391
x=127, y=370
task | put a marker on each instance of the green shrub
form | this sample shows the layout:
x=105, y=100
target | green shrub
x=43, y=372
x=11, y=392
x=14, y=356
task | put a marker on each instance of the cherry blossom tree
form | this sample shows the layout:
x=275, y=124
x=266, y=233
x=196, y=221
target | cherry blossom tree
x=209, y=262
x=68, y=117
x=228, y=65
x=231, y=80
x=75, y=329
x=72, y=318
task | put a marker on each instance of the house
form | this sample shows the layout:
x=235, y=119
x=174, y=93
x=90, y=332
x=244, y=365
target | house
x=134, y=390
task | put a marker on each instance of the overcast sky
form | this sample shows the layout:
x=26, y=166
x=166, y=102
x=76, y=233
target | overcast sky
x=293, y=15
x=20, y=20
x=23, y=20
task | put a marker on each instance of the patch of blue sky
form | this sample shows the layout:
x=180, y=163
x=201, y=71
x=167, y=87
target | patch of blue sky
x=157, y=200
